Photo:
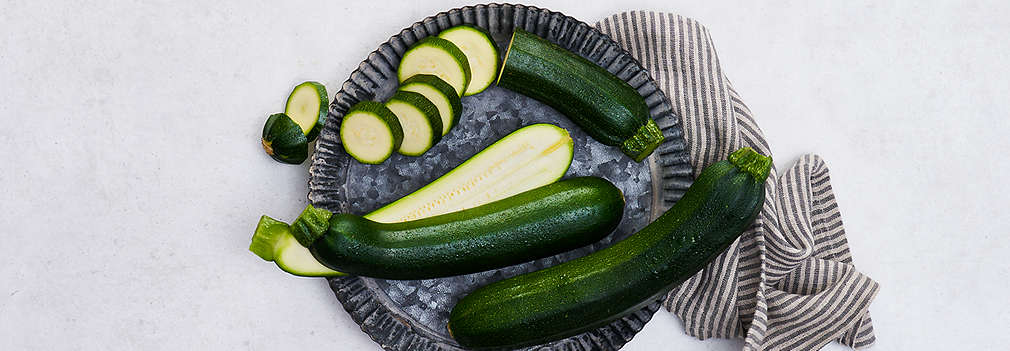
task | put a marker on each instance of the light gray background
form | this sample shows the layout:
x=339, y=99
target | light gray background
x=133, y=175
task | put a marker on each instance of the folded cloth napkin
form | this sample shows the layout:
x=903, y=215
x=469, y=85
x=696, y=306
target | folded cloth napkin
x=788, y=283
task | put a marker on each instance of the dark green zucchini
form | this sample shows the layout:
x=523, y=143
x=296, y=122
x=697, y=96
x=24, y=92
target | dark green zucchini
x=284, y=140
x=591, y=291
x=606, y=107
x=538, y=223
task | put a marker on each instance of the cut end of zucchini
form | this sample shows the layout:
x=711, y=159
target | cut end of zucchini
x=268, y=232
x=643, y=142
x=310, y=225
x=481, y=53
x=307, y=107
x=750, y=161
x=501, y=69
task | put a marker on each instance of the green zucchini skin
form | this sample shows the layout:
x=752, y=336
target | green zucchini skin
x=284, y=140
x=596, y=289
x=538, y=223
x=606, y=107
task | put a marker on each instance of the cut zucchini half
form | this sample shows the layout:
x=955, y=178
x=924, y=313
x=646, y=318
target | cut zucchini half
x=529, y=158
x=481, y=53
x=439, y=93
x=370, y=132
x=273, y=241
x=419, y=118
x=307, y=106
x=434, y=55
x=283, y=140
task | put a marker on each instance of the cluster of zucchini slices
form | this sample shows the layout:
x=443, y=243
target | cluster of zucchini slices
x=434, y=75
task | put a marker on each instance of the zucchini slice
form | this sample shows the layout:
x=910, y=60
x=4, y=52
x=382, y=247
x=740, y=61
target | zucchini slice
x=419, y=118
x=273, y=241
x=528, y=158
x=434, y=55
x=439, y=93
x=307, y=106
x=481, y=53
x=370, y=132
x=283, y=140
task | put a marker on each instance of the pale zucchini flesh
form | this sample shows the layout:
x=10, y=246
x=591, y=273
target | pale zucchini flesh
x=444, y=109
x=528, y=158
x=419, y=119
x=307, y=107
x=439, y=57
x=366, y=138
x=481, y=53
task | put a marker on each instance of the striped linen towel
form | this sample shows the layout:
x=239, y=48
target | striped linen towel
x=788, y=283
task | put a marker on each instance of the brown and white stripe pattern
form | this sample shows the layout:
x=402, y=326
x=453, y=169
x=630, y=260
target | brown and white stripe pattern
x=789, y=282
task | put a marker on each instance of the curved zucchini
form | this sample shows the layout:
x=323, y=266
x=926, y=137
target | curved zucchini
x=370, y=132
x=307, y=106
x=419, y=118
x=283, y=139
x=607, y=108
x=534, y=224
x=439, y=93
x=481, y=53
x=593, y=290
x=528, y=158
x=437, y=56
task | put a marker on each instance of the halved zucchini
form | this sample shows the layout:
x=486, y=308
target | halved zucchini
x=273, y=241
x=529, y=158
x=439, y=93
x=283, y=139
x=433, y=55
x=370, y=132
x=307, y=106
x=422, y=126
x=481, y=53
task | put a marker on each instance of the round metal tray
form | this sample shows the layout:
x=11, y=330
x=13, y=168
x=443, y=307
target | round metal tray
x=412, y=314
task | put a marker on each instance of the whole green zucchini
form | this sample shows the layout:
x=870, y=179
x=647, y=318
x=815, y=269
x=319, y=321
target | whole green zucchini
x=537, y=223
x=591, y=291
x=606, y=107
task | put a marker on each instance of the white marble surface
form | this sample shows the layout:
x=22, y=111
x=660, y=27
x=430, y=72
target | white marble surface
x=133, y=175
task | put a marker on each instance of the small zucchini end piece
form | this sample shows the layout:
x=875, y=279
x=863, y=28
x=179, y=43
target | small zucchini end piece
x=283, y=140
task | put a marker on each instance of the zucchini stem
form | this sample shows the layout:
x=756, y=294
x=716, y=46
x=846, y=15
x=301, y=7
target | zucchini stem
x=643, y=142
x=748, y=160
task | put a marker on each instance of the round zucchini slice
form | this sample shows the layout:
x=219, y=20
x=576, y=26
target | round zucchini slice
x=422, y=126
x=370, y=132
x=283, y=139
x=437, y=56
x=307, y=106
x=439, y=93
x=481, y=53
